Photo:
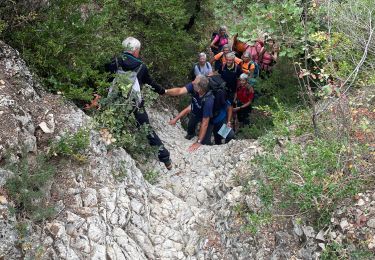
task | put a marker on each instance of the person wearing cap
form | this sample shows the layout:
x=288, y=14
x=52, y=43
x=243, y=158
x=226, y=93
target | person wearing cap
x=243, y=98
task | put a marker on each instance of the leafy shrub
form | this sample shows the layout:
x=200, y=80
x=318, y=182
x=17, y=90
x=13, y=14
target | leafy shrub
x=25, y=188
x=151, y=176
x=282, y=85
x=334, y=251
x=73, y=145
x=310, y=176
x=116, y=116
x=68, y=42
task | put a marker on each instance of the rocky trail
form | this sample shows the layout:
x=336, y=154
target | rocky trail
x=107, y=210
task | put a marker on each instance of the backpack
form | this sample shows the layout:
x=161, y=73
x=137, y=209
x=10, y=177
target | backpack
x=127, y=85
x=192, y=72
x=216, y=84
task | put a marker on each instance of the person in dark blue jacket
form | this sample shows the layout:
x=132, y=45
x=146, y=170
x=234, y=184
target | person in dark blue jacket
x=129, y=61
x=202, y=103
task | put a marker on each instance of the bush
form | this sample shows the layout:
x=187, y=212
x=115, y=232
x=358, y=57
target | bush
x=25, y=188
x=73, y=145
x=68, y=42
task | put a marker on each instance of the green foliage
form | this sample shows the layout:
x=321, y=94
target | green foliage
x=68, y=42
x=151, y=176
x=256, y=220
x=282, y=84
x=309, y=177
x=116, y=118
x=25, y=188
x=2, y=26
x=73, y=145
x=335, y=251
x=258, y=126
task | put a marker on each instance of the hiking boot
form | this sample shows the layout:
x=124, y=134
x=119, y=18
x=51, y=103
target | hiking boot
x=168, y=165
x=189, y=137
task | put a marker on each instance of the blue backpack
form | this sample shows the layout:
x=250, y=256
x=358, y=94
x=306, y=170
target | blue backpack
x=257, y=69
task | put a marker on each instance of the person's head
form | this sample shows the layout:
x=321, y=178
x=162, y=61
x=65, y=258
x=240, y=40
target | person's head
x=222, y=30
x=270, y=41
x=226, y=49
x=229, y=57
x=202, y=58
x=246, y=57
x=132, y=45
x=243, y=79
x=200, y=84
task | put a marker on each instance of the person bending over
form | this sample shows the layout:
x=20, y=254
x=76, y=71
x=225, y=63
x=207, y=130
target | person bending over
x=202, y=102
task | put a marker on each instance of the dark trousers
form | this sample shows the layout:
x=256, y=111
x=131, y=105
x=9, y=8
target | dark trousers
x=243, y=115
x=153, y=139
x=214, y=129
x=192, y=125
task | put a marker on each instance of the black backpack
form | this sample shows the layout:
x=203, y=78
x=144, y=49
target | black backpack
x=192, y=72
x=216, y=84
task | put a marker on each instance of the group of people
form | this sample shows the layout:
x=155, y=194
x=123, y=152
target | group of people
x=221, y=88
x=238, y=70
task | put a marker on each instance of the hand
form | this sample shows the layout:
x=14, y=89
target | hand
x=173, y=121
x=194, y=147
x=94, y=103
x=236, y=109
x=229, y=124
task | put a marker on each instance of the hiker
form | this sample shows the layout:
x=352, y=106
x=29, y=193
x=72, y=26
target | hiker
x=243, y=99
x=219, y=40
x=255, y=51
x=230, y=72
x=221, y=111
x=248, y=66
x=219, y=117
x=220, y=58
x=202, y=102
x=268, y=55
x=203, y=67
x=129, y=61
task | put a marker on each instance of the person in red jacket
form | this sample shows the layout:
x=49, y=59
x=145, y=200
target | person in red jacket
x=243, y=98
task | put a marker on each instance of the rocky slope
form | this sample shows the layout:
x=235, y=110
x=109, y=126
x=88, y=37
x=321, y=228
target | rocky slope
x=107, y=210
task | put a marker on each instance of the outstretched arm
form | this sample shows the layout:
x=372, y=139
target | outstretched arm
x=176, y=91
x=180, y=115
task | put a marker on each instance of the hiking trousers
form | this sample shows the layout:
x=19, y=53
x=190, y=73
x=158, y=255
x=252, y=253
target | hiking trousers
x=214, y=129
x=192, y=124
x=153, y=139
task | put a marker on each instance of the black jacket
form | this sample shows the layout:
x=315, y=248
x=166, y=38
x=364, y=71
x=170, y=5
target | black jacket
x=130, y=63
